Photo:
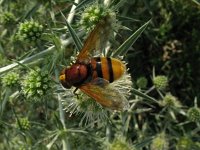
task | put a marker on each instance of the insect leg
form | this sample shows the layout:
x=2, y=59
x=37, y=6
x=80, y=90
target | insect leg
x=74, y=92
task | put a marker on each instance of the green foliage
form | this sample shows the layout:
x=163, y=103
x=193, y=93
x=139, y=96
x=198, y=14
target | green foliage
x=157, y=40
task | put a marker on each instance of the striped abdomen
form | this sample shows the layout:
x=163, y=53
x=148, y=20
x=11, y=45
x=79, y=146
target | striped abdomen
x=107, y=68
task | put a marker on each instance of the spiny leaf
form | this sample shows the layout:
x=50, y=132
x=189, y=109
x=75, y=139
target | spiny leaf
x=82, y=4
x=145, y=96
x=123, y=49
x=76, y=39
x=124, y=18
x=144, y=143
x=30, y=12
x=197, y=2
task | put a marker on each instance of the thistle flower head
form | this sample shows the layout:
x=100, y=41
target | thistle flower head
x=160, y=142
x=123, y=85
x=170, y=101
x=36, y=84
x=194, y=114
x=30, y=31
x=7, y=18
x=160, y=82
x=94, y=13
x=142, y=82
x=184, y=143
x=93, y=112
x=120, y=143
x=10, y=79
x=22, y=147
x=23, y=124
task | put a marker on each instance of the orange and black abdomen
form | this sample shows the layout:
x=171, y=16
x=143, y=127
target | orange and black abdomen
x=107, y=68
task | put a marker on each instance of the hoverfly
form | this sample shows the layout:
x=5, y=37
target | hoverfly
x=92, y=75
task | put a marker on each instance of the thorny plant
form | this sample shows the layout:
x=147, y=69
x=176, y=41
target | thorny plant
x=38, y=113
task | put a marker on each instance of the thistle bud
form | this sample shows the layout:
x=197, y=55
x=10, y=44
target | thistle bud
x=160, y=82
x=142, y=82
x=194, y=114
x=10, y=79
x=36, y=84
x=30, y=31
x=23, y=124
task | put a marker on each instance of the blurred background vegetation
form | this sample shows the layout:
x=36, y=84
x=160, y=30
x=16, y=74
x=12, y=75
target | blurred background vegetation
x=164, y=64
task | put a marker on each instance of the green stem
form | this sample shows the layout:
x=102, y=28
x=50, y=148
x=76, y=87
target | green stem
x=108, y=132
x=195, y=102
x=107, y=2
x=6, y=98
x=150, y=89
x=61, y=112
x=72, y=12
x=66, y=145
x=27, y=60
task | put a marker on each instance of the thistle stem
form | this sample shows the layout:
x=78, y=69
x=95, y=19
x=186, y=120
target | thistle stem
x=107, y=2
x=3, y=104
x=72, y=12
x=27, y=60
x=65, y=141
x=108, y=132
x=66, y=145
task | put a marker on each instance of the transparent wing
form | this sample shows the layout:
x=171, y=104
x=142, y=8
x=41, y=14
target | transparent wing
x=105, y=94
x=96, y=39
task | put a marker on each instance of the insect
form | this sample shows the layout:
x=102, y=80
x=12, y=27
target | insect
x=93, y=75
